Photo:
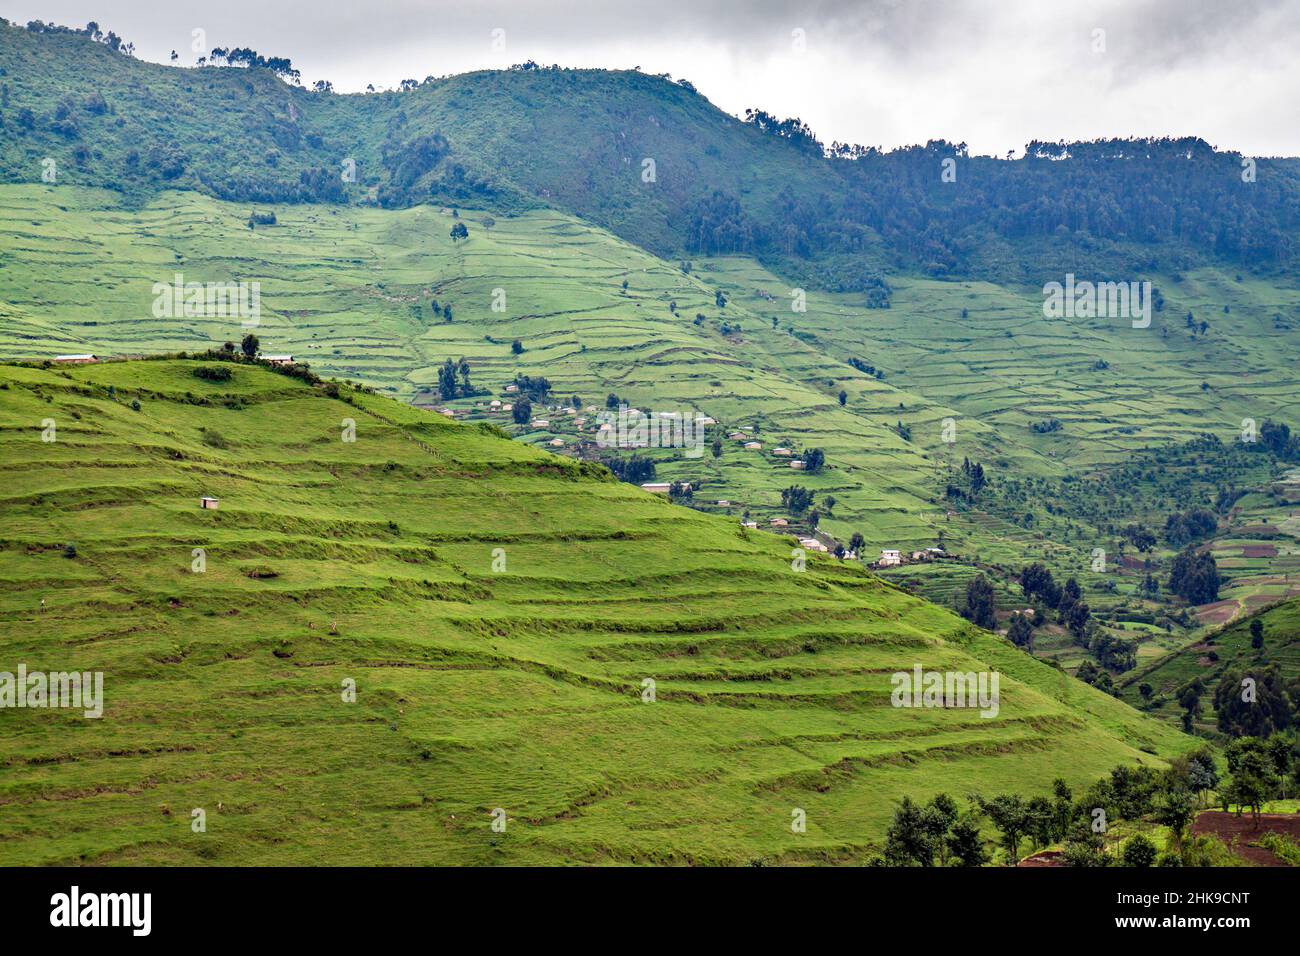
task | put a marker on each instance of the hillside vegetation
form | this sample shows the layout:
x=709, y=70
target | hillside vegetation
x=499, y=610
x=649, y=158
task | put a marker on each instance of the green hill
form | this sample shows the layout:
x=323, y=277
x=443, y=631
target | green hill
x=477, y=687
x=648, y=158
x=819, y=297
x=1225, y=649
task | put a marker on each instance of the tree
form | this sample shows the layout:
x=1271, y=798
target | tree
x=1036, y=581
x=1190, y=701
x=522, y=412
x=250, y=346
x=908, y=840
x=1021, y=632
x=813, y=460
x=1195, y=577
x=458, y=231
x=797, y=499
x=857, y=543
x=1010, y=816
x=1257, y=634
x=981, y=606
x=1252, y=779
x=1253, y=702
x=965, y=845
x=844, y=397
x=1175, y=809
x=517, y=347
x=1139, y=851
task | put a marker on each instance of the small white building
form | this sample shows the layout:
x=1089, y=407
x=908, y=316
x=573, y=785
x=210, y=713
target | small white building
x=783, y=452
x=556, y=442
x=541, y=423
x=889, y=556
x=512, y=388
x=209, y=504
x=797, y=465
x=278, y=359
x=724, y=503
x=656, y=487
x=76, y=359
x=753, y=446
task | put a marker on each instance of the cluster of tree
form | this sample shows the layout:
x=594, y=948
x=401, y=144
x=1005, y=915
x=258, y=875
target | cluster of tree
x=242, y=56
x=91, y=31
x=635, y=469
x=1047, y=426
x=1255, y=701
x=536, y=387
x=940, y=833
x=1190, y=526
x=796, y=499
x=814, y=459
x=453, y=381
x=1276, y=438
x=406, y=162
x=794, y=130
x=1067, y=601
x=867, y=368
x=981, y=606
x=1194, y=577
x=973, y=481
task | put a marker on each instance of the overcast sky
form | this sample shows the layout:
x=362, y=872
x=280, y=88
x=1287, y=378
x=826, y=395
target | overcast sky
x=992, y=73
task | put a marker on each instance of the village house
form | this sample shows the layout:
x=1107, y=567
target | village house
x=656, y=487
x=889, y=556
x=778, y=523
x=278, y=359
x=797, y=465
x=541, y=423
x=76, y=359
x=753, y=446
x=737, y=436
x=782, y=452
x=512, y=388
x=724, y=503
x=209, y=504
x=556, y=442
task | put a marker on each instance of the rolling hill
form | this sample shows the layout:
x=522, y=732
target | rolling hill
x=499, y=610
x=833, y=298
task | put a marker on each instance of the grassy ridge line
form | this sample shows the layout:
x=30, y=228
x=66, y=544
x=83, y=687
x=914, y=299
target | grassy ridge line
x=476, y=689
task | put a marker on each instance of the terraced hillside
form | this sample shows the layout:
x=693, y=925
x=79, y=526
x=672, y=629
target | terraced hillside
x=350, y=291
x=1226, y=649
x=516, y=686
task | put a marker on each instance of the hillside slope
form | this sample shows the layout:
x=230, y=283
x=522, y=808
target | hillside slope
x=516, y=687
x=646, y=157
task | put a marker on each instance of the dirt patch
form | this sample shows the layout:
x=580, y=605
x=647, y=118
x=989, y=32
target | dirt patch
x=1046, y=858
x=1259, y=551
x=1219, y=613
x=1238, y=832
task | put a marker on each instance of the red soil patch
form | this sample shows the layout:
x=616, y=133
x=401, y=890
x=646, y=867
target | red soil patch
x=1220, y=612
x=1257, y=530
x=1229, y=827
x=1259, y=551
x=1046, y=858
